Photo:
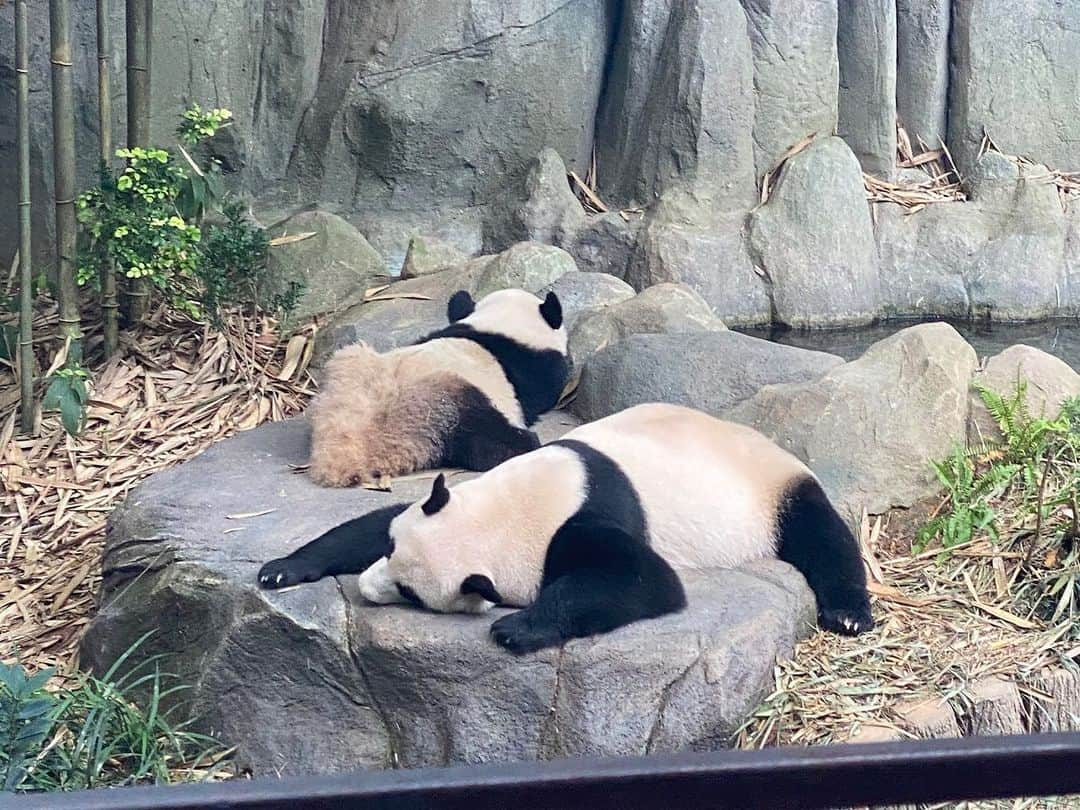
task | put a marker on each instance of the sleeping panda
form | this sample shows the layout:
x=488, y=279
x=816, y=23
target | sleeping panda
x=588, y=533
x=463, y=396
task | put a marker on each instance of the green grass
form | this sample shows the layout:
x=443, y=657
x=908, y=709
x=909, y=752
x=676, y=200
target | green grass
x=98, y=732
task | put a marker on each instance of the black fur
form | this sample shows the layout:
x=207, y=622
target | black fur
x=551, y=310
x=481, y=585
x=483, y=438
x=609, y=494
x=815, y=539
x=409, y=595
x=440, y=496
x=347, y=549
x=597, y=577
x=460, y=305
x=538, y=377
x=599, y=572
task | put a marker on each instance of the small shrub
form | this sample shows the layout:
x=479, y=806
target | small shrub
x=67, y=393
x=95, y=733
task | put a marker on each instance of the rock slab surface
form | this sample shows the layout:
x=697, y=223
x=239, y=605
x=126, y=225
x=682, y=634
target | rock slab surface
x=309, y=680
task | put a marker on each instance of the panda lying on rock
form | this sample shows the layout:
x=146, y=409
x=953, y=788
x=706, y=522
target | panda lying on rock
x=463, y=396
x=587, y=534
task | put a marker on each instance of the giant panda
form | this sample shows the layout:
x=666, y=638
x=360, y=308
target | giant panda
x=589, y=533
x=463, y=396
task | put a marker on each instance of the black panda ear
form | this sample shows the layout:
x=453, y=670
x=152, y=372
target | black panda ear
x=460, y=306
x=551, y=309
x=440, y=496
x=482, y=585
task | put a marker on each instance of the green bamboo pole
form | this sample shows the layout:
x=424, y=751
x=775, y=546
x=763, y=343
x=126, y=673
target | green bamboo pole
x=26, y=281
x=138, y=115
x=63, y=107
x=109, y=303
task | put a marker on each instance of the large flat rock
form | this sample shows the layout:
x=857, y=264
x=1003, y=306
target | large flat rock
x=311, y=680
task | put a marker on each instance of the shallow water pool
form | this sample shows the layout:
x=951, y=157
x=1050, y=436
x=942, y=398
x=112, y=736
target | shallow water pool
x=1060, y=338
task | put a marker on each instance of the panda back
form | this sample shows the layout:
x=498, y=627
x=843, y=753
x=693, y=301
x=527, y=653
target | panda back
x=710, y=490
x=465, y=359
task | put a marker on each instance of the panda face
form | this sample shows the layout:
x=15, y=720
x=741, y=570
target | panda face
x=428, y=566
x=522, y=317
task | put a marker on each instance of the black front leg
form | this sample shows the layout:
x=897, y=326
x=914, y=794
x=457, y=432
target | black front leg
x=597, y=577
x=484, y=438
x=350, y=548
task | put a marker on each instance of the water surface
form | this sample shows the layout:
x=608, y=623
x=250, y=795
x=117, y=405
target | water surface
x=1060, y=338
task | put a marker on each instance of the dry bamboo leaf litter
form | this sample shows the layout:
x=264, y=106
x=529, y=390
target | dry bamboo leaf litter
x=176, y=388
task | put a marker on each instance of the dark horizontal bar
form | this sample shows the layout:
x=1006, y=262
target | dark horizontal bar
x=819, y=777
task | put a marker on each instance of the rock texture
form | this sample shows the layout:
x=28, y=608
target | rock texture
x=1048, y=380
x=426, y=256
x=366, y=687
x=1015, y=78
x=820, y=274
x=680, y=102
x=711, y=371
x=922, y=67
x=867, y=428
x=961, y=259
x=866, y=45
x=335, y=265
x=796, y=73
x=416, y=307
x=684, y=240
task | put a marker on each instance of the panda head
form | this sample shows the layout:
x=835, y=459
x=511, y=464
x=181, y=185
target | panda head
x=431, y=564
x=515, y=314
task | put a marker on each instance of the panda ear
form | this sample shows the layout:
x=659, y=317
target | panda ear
x=460, y=306
x=481, y=585
x=440, y=496
x=551, y=309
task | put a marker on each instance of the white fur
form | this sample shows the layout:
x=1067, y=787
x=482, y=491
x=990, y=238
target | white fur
x=709, y=488
x=710, y=491
x=516, y=314
x=498, y=525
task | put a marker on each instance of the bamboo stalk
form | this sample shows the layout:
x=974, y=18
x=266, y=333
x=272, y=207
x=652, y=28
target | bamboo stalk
x=109, y=303
x=63, y=108
x=26, y=280
x=138, y=116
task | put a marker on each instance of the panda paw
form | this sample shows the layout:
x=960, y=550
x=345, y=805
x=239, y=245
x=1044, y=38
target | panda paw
x=847, y=622
x=284, y=573
x=517, y=634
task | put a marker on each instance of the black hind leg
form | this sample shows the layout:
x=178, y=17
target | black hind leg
x=484, y=438
x=597, y=577
x=815, y=539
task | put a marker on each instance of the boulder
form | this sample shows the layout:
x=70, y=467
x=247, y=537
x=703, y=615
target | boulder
x=796, y=74
x=606, y=243
x=1072, y=259
x=390, y=232
x=679, y=103
x=870, y=428
x=550, y=213
x=710, y=371
x=960, y=259
x=1049, y=382
x=866, y=48
x=922, y=69
x=582, y=294
x=684, y=240
x=412, y=309
x=1015, y=77
x=335, y=266
x=426, y=256
x=661, y=310
x=815, y=241
x=377, y=687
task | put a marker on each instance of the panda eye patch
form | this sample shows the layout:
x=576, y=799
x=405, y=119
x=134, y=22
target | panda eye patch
x=409, y=595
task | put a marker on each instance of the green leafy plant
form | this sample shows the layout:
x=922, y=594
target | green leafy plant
x=97, y=732
x=233, y=258
x=67, y=394
x=148, y=220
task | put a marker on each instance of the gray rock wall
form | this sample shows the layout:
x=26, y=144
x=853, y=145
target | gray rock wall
x=426, y=119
